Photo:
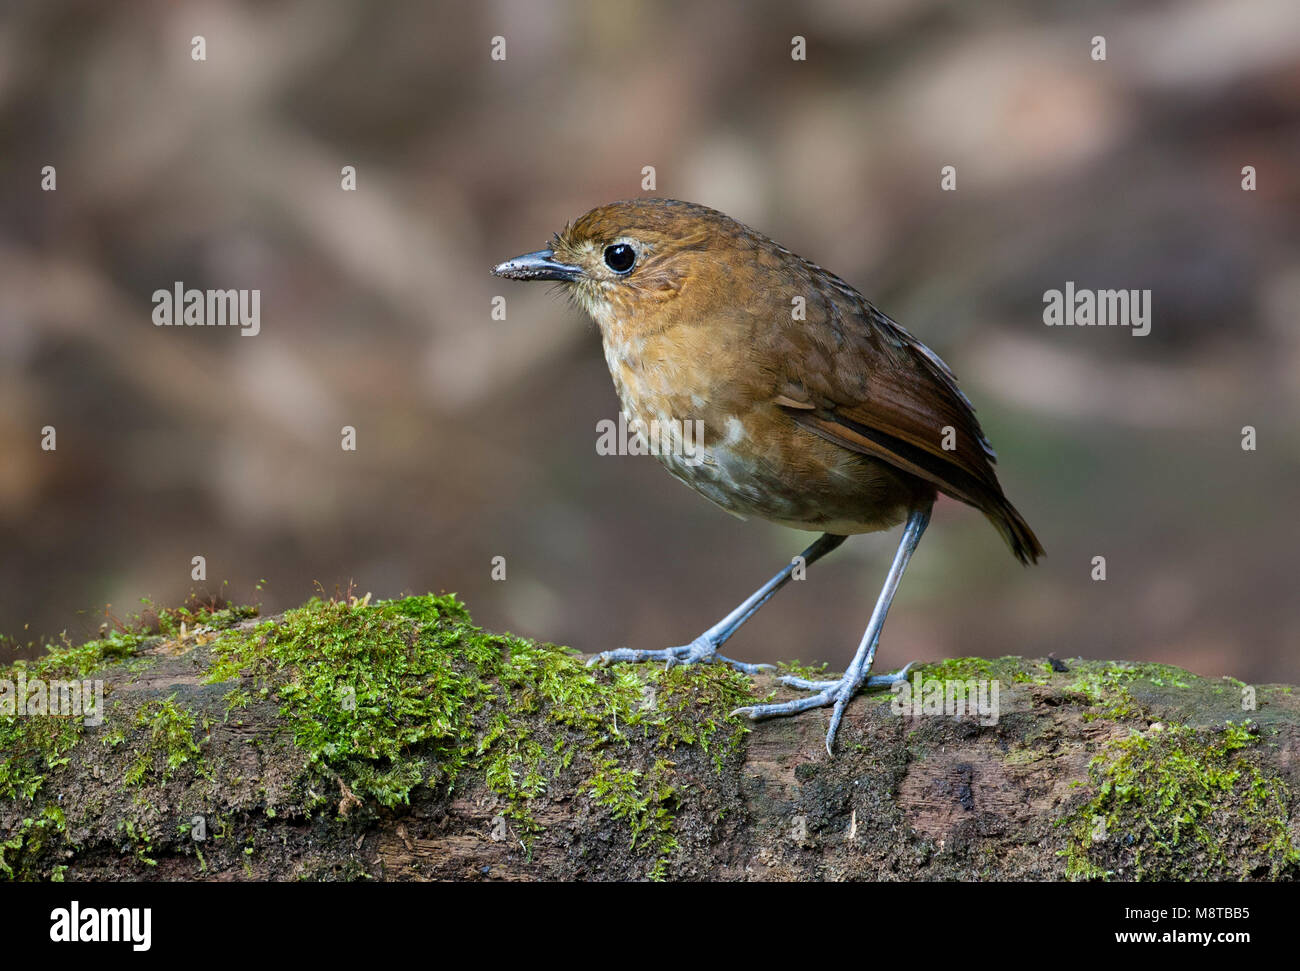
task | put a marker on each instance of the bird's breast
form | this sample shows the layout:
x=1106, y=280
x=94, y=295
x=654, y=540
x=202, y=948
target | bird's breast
x=708, y=415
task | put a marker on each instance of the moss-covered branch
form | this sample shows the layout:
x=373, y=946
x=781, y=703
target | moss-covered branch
x=395, y=740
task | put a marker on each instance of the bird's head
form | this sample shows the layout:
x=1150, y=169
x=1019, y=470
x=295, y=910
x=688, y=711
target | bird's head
x=640, y=262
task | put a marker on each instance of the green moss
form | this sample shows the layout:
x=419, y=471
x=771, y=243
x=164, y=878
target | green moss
x=958, y=669
x=31, y=747
x=1166, y=804
x=191, y=616
x=364, y=688
x=168, y=742
x=647, y=801
x=1039, y=674
x=391, y=696
x=68, y=661
x=806, y=671
x=691, y=707
x=139, y=842
x=26, y=844
x=1106, y=687
x=34, y=745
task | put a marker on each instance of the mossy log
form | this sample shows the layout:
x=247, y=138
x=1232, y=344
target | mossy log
x=396, y=741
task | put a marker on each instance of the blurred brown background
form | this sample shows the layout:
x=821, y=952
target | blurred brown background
x=477, y=437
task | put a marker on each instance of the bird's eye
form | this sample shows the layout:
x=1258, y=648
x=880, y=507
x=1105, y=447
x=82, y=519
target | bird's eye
x=620, y=257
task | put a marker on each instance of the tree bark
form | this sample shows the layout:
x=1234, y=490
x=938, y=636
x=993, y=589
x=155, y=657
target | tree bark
x=1101, y=770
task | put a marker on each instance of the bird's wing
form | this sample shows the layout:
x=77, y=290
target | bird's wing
x=857, y=378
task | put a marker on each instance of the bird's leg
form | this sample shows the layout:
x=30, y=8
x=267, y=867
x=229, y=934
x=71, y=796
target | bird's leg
x=704, y=649
x=838, y=693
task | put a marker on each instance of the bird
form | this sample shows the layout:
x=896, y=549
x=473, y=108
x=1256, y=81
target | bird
x=815, y=410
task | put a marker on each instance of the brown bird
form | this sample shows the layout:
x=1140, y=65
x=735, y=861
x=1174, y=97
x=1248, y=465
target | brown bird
x=817, y=411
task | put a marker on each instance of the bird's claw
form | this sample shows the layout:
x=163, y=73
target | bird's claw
x=699, y=651
x=833, y=694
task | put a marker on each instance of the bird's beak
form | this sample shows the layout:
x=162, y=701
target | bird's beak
x=541, y=265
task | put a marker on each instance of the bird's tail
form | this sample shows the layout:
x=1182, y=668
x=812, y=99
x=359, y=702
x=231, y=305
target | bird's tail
x=1008, y=521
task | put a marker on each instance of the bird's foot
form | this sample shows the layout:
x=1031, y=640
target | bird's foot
x=702, y=650
x=824, y=694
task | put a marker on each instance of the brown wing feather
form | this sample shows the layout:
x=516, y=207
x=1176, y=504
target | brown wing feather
x=887, y=395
